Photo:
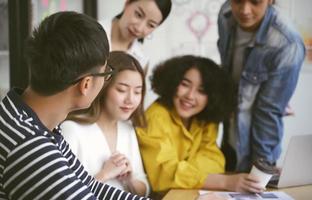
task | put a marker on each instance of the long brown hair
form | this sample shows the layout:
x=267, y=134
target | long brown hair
x=120, y=61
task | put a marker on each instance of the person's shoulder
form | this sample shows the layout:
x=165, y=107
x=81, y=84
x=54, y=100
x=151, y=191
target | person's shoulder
x=19, y=121
x=225, y=19
x=282, y=29
x=70, y=124
x=225, y=8
x=69, y=127
x=211, y=126
x=158, y=110
x=136, y=50
x=20, y=140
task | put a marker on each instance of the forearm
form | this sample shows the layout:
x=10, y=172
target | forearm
x=209, y=158
x=223, y=182
x=216, y=182
x=102, y=176
x=137, y=187
x=212, y=164
x=235, y=182
x=181, y=175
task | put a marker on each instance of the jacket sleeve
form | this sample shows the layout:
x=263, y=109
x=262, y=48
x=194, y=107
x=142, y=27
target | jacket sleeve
x=209, y=157
x=164, y=167
x=272, y=99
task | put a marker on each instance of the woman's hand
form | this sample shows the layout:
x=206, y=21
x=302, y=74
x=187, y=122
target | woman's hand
x=133, y=185
x=113, y=167
x=243, y=183
x=126, y=174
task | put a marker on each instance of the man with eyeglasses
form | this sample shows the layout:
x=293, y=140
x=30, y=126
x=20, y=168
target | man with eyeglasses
x=67, y=57
x=107, y=74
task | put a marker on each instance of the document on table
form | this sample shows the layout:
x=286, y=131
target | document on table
x=274, y=195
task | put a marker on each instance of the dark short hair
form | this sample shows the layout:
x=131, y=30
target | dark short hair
x=218, y=85
x=65, y=46
x=120, y=61
x=163, y=5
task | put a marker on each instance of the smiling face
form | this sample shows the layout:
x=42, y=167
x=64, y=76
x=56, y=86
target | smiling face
x=139, y=19
x=249, y=13
x=190, y=98
x=124, y=95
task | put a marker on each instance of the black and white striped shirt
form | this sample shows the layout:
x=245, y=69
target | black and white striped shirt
x=38, y=164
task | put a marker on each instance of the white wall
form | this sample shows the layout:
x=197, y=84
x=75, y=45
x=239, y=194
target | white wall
x=108, y=9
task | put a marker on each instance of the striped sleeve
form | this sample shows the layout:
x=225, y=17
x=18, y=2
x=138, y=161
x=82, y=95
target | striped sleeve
x=33, y=167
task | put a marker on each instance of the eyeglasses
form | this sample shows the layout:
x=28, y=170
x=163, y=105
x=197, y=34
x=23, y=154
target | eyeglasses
x=107, y=74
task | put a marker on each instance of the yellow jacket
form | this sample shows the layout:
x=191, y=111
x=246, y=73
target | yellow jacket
x=175, y=157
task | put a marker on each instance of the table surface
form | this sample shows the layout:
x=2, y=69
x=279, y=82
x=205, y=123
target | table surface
x=297, y=193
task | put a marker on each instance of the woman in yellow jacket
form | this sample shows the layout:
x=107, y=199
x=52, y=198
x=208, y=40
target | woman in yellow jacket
x=178, y=145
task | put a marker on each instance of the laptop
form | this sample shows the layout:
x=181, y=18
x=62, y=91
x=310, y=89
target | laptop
x=297, y=167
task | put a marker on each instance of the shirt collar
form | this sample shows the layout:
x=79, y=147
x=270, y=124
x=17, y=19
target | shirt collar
x=195, y=124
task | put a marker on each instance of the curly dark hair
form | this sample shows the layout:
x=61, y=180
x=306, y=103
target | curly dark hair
x=218, y=85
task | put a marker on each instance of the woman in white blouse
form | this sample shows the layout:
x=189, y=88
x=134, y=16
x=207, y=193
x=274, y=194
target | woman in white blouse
x=138, y=19
x=103, y=137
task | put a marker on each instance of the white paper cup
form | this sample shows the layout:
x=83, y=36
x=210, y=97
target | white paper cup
x=263, y=177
